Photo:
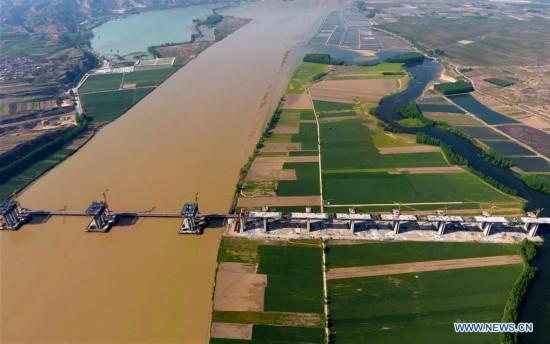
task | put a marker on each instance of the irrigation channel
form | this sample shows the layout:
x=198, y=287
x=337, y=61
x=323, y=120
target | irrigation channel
x=537, y=303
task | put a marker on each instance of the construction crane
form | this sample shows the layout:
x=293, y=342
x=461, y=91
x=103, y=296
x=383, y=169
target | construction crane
x=442, y=212
x=534, y=213
x=489, y=213
x=105, y=199
x=16, y=198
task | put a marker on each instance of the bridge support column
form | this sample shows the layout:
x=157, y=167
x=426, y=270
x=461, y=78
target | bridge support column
x=352, y=225
x=396, y=224
x=486, y=227
x=441, y=227
x=532, y=229
x=265, y=225
x=308, y=225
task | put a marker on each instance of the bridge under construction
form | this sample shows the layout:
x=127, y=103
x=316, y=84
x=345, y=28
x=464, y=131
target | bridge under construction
x=13, y=216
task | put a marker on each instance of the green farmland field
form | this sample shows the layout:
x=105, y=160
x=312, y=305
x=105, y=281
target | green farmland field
x=107, y=106
x=149, y=78
x=349, y=144
x=294, y=278
x=373, y=187
x=382, y=253
x=100, y=83
x=279, y=335
x=419, y=307
x=307, y=136
x=307, y=183
x=321, y=106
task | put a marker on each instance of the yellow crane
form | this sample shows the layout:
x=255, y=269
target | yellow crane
x=535, y=213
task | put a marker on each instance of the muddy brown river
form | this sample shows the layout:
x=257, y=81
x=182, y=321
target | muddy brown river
x=143, y=282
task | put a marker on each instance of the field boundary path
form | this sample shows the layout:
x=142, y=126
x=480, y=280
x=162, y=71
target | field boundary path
x=319, y=149
x=434, y=265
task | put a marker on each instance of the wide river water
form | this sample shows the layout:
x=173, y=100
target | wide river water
x=144, y=282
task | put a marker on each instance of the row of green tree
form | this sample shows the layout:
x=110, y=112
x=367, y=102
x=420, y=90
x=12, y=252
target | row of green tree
x=406, y=58
x=322, y=58
x=496, y=158
x=492, y=181
x=536, y=182
x=447, y=150
x=454, y=87
x=387, y=128
x=16, y=167
x=211, y=20
x=519, y=290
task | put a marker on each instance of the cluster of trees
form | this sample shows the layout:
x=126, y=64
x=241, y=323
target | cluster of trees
x=499, y=82
x=211, y=20
x=318, y=76
x=322, y=58
x=496, y=158
x=454, y=87
x=45, y=150
x=519, y=289
x=536, y=182
x=447, y=150
x=388, y=128
x=413, y=111
x=492, y=181
x=406, y=58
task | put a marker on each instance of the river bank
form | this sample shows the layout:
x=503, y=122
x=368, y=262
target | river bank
x=156, y=156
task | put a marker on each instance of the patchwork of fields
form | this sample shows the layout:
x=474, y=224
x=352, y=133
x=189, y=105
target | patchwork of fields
x=105, y=97
x=273, y=291
x=270, y=290
x=361, y=164
x=418, y=307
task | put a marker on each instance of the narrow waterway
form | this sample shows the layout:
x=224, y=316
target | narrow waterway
x=143, y=282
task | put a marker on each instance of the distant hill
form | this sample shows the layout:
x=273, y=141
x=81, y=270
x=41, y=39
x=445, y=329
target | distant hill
x=61, y=16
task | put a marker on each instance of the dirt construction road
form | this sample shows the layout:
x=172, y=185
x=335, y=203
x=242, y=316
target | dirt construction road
x=392, y=269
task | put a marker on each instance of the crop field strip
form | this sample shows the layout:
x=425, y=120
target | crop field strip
x=293, y=300
x=106, y=96
x=421, y=306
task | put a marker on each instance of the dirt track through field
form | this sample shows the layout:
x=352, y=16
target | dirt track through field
x=289, y=201
x=435, y=265
x=428, y=170
x=407, y=149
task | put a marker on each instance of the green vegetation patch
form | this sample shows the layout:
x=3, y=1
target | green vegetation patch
x=294, y=278
x=373, y=187
x=368, y=77
x=149, y=78
x=289, y=118
x=279, y=335
x=238, y=250
x=100, y=83
x=269, y=318
x=107, y=106
x=307, y=115
x=382, y=67
x=303, y=153
x=337, y=114
x=454, y=87
x=321, y=106
x=307, y=136
x=302, y=76
x=382, y=253
x=410, y=122
x=420, y=307
x=349, y=145
x=500, y=82
x=307, y=183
